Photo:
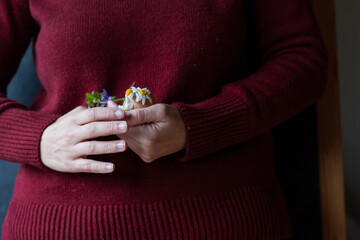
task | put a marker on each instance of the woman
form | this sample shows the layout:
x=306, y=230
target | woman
x=199, y=164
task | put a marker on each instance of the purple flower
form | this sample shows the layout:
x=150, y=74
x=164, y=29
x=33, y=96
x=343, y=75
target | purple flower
x=104, y=97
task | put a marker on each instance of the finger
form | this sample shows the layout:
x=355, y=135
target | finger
x=99, y=129
x=98, y=114
x=112, y=104
x=99, y=147
x=90, y=166
x=154, y=113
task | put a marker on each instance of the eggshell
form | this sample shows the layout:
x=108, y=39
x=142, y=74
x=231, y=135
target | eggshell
x=147, y=102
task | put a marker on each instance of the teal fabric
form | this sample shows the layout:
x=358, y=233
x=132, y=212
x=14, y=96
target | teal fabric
x=22, y=88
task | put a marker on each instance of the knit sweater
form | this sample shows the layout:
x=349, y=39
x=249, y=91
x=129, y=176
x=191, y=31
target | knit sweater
x=234, y=69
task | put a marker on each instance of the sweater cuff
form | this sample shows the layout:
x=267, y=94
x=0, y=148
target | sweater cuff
x=213, y=125
x=21, y=132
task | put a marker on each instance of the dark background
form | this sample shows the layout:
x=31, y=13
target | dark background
x=348, y=39
x=23, y=88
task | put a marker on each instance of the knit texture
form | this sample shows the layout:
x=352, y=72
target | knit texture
x=225, y=215
x=234, y=69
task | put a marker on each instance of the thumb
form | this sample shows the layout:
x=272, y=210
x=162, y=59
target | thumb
x=141, y=116
x=112, y=104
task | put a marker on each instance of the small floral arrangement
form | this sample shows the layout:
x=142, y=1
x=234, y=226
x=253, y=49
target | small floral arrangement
x=135, y=97
x=96, y=99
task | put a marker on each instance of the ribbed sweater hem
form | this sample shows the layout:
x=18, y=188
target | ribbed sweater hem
x=245, y=213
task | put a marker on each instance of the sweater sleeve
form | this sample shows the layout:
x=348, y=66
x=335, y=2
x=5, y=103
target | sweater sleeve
x=20, y=128
x=291, y=77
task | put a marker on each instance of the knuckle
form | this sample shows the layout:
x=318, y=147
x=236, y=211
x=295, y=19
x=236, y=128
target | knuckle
x=60, y=119
x=67, y=165
x=91, y=114
x=109, y=147
x=90, y=148
x=63, y=142
x=86, y=166
x=95, y=167
x=140, y=116
x=109, y=113
x=114, y=127
x=66, y=139
x=163, y=111
x=67, y=120
x=110, y=128
x=78, y=108
x=68, y=134
x=91, y=128
x=149, y=142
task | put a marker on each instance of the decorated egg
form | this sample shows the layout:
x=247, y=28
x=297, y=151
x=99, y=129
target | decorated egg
x=136, y=97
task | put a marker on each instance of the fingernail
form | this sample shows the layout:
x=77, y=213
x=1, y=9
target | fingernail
x=122, y=126
x=121, y=146
x=119, y=114
x=109, y=168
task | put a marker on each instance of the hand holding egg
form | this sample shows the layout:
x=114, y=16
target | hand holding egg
x=154, y=130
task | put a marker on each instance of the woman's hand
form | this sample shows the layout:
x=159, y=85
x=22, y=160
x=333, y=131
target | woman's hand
x=154, y=131
x=64, y=146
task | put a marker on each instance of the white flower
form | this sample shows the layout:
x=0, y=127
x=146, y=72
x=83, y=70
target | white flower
x=130, y=93
x=126, y=106
x=142, y=94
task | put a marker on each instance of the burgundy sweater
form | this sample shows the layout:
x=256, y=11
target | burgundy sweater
x=235, y=69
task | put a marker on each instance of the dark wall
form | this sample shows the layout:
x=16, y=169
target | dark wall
x=297, y=165
x=23, y=88
x=348, y=39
